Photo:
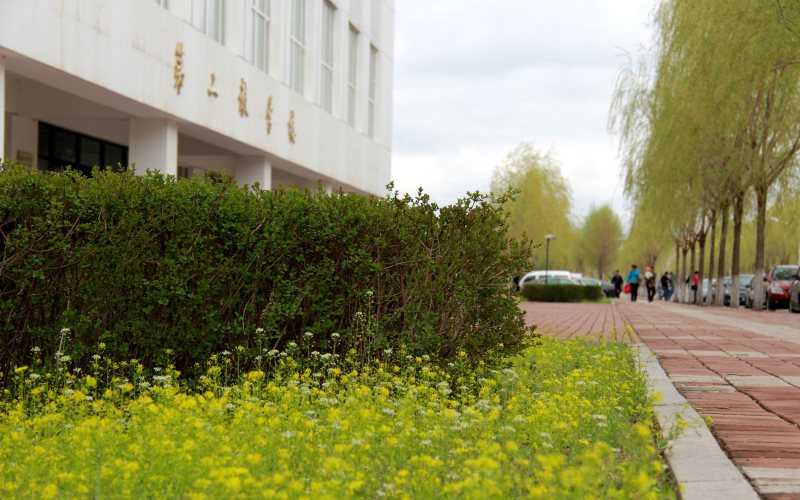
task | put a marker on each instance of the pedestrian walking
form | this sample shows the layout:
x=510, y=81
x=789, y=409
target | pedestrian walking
x=633, y=281
x=671, y=285
x=617, y=281
x=695, y=283
x=664, y=284
x=650, y=283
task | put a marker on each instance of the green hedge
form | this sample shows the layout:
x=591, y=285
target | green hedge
x=562, y=293
x=145, y=263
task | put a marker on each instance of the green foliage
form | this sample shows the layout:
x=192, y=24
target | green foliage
x=542, y=205
x=562, y=293
x=649, y=243
x=600, y=239
x=147, y=263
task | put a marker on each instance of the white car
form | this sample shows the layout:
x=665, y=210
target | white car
x=535, y=275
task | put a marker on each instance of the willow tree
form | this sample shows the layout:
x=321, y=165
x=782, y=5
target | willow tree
x=543, y=203
x=599, y=239
x=721, y=109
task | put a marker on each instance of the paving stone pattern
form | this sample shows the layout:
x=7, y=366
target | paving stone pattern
x=747, y=383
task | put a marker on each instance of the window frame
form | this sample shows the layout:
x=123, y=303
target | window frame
x=352, y=73
x=327, y=48
x=264, y=17
x=297, y=46
x=214, y=28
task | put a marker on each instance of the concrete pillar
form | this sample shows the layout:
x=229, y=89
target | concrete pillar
x=3, y=152
x=254, y=169
x=153, y=145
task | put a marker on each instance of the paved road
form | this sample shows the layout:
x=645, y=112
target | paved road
x=740, y=368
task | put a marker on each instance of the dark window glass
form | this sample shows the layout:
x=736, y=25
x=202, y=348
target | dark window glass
x=64, y=146
x=90, y=152
x=113, y=155
x=44, y=141
x=59, y=148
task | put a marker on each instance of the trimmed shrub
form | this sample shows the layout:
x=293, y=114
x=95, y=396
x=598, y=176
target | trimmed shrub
x=146, y=263
x=562, y=293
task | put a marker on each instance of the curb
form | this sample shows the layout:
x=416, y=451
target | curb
x=703, y=471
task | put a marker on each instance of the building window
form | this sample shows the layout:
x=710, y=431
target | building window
x=260, y=12
x=214, y=25
x=183, y=172
x=373, y=87
x=326, y=70
x=297, y=42
x=61, y=148
x=352, y=73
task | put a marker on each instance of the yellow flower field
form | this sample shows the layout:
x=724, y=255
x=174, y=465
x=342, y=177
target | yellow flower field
x=564, y=420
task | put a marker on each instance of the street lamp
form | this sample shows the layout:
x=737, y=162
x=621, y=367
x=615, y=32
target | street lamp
x=547, y=256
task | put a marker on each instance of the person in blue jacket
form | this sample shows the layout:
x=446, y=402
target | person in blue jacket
x=633, y=281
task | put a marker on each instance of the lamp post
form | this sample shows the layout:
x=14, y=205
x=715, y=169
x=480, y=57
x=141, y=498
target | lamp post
x=547, y=256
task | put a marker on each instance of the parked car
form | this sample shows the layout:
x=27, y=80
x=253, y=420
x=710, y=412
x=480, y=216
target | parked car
x=553, y=280
x=535, y=275
x=712, y=284
x=608, y=288
x=745, y=281
x=794, y=294
x=776, y=287
x=777, y=283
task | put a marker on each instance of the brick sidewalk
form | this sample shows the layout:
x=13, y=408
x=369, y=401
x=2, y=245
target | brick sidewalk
x=746, y=382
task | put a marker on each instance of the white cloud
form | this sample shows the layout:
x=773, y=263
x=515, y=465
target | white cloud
x=475, y=78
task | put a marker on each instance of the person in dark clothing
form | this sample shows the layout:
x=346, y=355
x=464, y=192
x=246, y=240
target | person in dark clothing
x=515, y=279
x=666, y=287
x=633, y=281
x=650, y=283
x=617, y=281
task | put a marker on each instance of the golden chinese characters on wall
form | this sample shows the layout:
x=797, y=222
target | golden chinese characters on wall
x=242, y=97
x=268, y=115
x=177, y=68
x=212, y=90
x=292, y=133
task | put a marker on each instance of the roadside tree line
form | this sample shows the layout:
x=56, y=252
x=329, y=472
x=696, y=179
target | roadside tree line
x=709, y=122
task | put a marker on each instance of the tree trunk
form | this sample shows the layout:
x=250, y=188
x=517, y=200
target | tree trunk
x=693, y=296
x=681, y=283
x=761, y=228
x=712, y=291
x=701, y=241
x=677, y=274
x=723, y=235
x=738, y=213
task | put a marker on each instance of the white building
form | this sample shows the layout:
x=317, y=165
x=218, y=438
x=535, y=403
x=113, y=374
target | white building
x=279, y=92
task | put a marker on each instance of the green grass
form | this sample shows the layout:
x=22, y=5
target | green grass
x=564, y=420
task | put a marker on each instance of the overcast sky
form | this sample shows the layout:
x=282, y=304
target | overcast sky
x=474, y=78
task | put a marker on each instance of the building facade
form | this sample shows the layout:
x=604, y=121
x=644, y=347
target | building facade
x=274, y=92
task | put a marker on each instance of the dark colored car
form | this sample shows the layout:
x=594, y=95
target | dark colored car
x=608, y=288
x=777, y=283
x=794, y=294
x=745, y=280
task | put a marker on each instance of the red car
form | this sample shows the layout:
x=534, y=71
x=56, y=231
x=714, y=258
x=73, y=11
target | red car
x=776, y=284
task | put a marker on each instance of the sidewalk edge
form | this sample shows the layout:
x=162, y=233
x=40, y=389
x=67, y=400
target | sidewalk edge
x=702, y=470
